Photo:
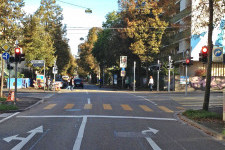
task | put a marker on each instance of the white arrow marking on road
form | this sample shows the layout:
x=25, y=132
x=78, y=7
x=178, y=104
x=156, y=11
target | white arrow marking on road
x=150, y=141
x=24, y=140
x=89, y=101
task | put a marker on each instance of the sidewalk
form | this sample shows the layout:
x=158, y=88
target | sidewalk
x=215, y=128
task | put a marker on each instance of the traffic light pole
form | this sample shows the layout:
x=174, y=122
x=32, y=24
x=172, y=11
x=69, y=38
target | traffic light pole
x=2, y=78
x=16, y=63
x=186, y=81
x=169, y=74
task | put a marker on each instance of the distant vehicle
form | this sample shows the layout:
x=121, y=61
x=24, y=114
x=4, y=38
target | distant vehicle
x=78, y=83
x=60, y=82
x=65, y=78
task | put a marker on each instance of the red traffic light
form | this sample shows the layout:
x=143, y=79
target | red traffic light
x=17, y=51
x=187, y=61
x=204, y=50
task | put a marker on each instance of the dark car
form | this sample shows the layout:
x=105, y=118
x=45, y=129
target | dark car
x=78, y=83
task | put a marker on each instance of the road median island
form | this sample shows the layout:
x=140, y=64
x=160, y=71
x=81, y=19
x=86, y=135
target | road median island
x=209, y=122
x=23, y=103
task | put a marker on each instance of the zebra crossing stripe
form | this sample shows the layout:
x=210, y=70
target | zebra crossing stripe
x=126, y=107
x=50, y=106
x=163, y=108
x=69, y=106
x=146, y=108
x=88, y=106
x=107, y=107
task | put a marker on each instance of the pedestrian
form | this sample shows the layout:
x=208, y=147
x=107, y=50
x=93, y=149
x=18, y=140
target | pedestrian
x=150, y=83
x=71, y=83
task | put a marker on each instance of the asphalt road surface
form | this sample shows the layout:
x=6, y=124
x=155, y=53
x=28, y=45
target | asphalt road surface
x=99, y=119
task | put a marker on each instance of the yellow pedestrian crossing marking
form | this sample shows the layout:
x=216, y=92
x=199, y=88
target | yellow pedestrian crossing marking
x=146, y=108
x=181, y=108
x=50, y=106
x=165, y=109
x=88, y=106
x=126, y=107
x=107, y=107
x=69, y=106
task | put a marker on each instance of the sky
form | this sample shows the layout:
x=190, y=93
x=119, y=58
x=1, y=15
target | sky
x=75, y=16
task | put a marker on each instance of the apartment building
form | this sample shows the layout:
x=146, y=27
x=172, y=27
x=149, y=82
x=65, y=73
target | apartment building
x=189, y=36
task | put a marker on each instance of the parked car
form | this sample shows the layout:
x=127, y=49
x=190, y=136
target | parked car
x=78, y=83
x=60, y=82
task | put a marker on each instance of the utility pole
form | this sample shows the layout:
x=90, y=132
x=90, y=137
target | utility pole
x=134, y=76
x=158, y=76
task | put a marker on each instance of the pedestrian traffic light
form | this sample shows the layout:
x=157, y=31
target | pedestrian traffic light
x=203, y=55
x=9, y=67
x=17, y=54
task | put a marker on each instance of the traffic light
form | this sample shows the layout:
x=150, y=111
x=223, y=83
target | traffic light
x=188, y=61
x=9, y=67
x=11, y=59
x=22, y=57
x=17, y=54
x=204, y=54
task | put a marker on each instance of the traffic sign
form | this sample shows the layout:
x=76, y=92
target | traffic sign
x=38, y=63
x=122, y=73
x=5, y=56
x=123, y=61
x=6, y=47
x=217, y=54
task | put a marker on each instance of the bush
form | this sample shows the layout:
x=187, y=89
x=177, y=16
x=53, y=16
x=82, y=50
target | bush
x=201, y=114
x=5, y=107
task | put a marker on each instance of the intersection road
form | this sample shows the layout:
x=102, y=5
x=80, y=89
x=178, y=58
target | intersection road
x=95, y=119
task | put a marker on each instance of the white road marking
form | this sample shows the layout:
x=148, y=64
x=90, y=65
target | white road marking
x=9, y=117
x=22, y=139
x=145, y=99
x=150, y=141
x=89, y=101
x=49, y=95
x=99, y=116
x=80, y=135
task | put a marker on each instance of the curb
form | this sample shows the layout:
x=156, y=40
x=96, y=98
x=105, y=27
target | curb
x=206, y=130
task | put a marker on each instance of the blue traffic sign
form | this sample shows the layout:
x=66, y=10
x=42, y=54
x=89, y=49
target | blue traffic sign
x=5, y=56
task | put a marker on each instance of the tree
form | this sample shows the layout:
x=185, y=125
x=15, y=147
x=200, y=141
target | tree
x=87, y=62
x=37, y=42
x=51, y=18
x=144, y=27
x=11, y=16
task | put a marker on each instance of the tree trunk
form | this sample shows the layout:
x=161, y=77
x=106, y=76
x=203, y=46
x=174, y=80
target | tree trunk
x=209, y=66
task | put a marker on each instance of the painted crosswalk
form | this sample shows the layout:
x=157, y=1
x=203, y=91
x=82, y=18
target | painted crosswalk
x=109, y=107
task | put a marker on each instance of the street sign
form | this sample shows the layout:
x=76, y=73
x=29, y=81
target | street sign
x=54, y=70
x=38, y=63
x=6, y=47
x=123, y=61
x=5, y=56
x=122, y=73
x=217, y=54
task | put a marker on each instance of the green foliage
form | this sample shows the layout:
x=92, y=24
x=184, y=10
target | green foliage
x=2, y=99
x=11, y=16
x=87, y=63
x=201, y=114
x=6, y=107
x=144, y=27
